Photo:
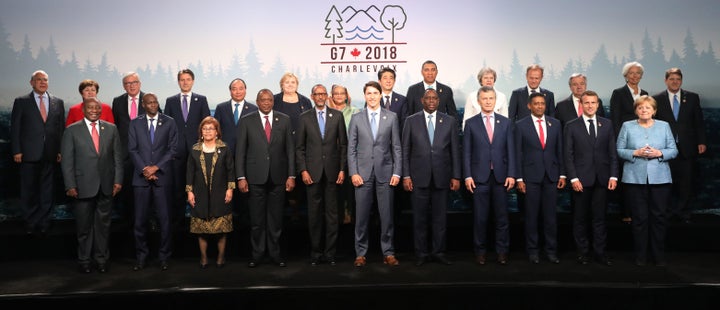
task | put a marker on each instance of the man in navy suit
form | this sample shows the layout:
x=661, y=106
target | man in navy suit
x=538, y=143
x=375, y=166
x=152, y=143
x=187, y=109
x=321, y=156
x=417, y=91
x=688, y=128
x=229, y=114
x=391, y=99
x=571, y=108
x=489, y=168
x=591, y=163
x=265, y=167
x=37, y=124
x=520, y=97
x=125, y=108
x=431, y=167
x=92, y=171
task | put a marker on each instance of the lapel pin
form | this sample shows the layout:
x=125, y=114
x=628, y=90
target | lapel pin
x=329, y=114
x=277, y=119
x=440, y=120
x=195, y=99
x=384, y=117
x=548, y=123
x=599, y=124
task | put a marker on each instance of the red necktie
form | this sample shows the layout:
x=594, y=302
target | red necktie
x=542, y=133
x=95, y=137
x=267, y=128
x=43, y=111
x=580, y=109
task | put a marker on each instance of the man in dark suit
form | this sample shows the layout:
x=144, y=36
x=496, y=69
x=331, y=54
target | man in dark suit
x=265, y=167
x=520, y=97
x=152, y=144
x=571, y=107
x=187, y=109
x=229, y=114
x=538, y=145
x=391, y=99
x=321, y=156
x=37, y=124
x=431, y=167
x=591, y=163
x=417, y=91
x=374, y=165
x=489, y=168
x=682, y=110
x=92, y=168
x=125, y=108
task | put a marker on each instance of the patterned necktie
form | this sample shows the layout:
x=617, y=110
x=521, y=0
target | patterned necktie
x=431, y=129
x=152, y=131
x=580, y=109
x=268, y=129
x=592, y=130
x=373, y=125
x=185, y=107
x=541, y=133
x=321, y=122
x=133, y=109
x=488, y=128
x=95, y=137
x=43, y=111
x=236, y=114
x=676, y=106
x=387, y=102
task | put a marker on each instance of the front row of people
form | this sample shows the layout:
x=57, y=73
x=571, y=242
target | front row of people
x=535, y=155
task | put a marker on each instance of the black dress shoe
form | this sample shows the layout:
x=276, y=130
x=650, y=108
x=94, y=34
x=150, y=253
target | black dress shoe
x=252, y=264
x=314, y=262
x=281, y=263
x=164, y=266
x=534, y=259
x=603, y=260
x=480, y=259
x=502, y=259
x=640, y=262
x=553, y=258
x=138, y=266
x=203, y=266
x=440, y=258
x=84, y=269
x=421, y=261
x=583, y=259
x=332, y=261
x=102, y=268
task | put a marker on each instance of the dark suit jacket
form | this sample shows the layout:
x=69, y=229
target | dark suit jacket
x=29, y=135
x=187, y=130
x=86, y=170
x=318, y=155
x=398, y=105
x=259, y=161
x=689, y=128
x=534, y=161
x=621, y=107
x=517, y=106
x=478, y=152
x=159, y=153
x=438, y=162
x=122, y=117
x=593, y=162
x=210, y=197
x=382, y=156
x=224, y=115
x=565, y=110
x=447, y=102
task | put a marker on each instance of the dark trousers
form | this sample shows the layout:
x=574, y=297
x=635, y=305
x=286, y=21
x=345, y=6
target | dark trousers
x=540, y=209
x=92, y=223
x=589, y=207
x=178, y=197
x=266, y=202
x=37, y=193
x=649, y=203
x=323, y=216
x=487, y=196
x=149, y=199
x=429, y=205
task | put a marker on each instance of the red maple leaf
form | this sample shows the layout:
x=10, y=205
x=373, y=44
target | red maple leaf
x=355, y=52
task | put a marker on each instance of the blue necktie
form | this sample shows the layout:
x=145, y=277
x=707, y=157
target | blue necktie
x=676, y=106
x=236, y=113
x=152, y=131
x=373, y=125
x=185, y=108
x=321, y=122
x=431, y=129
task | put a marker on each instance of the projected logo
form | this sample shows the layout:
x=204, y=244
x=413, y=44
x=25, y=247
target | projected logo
x=363, y=40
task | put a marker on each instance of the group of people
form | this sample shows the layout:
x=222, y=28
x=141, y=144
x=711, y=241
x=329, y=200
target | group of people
x=352, y=162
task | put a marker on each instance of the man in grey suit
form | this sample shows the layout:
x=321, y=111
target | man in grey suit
x=37, y=124
x=92, y=169
x=321, y=156
x=374, y=164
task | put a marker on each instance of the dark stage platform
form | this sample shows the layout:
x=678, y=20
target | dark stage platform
x=41, y=271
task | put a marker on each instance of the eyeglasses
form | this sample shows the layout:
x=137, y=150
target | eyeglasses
x=208, y=128
x=131, y=83
x=320, y=94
